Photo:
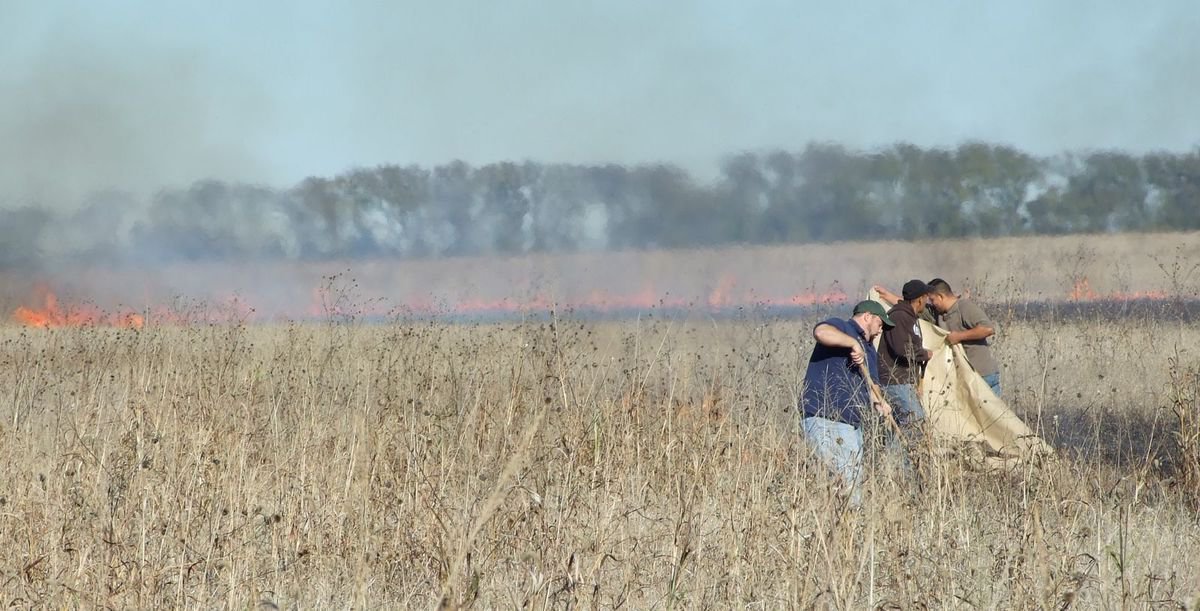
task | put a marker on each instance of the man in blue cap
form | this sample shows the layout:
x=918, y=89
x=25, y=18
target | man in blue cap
x=837, y=395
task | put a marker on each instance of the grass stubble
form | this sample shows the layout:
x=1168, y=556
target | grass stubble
x=555, y=464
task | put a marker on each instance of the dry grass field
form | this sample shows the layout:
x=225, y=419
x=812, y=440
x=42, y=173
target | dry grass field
x=641, y=464
x=651, y=463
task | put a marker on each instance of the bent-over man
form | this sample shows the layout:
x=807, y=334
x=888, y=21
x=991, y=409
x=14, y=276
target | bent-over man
x=836, y=396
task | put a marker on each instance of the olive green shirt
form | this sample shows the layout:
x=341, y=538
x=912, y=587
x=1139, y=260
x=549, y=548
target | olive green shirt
x=964, y=315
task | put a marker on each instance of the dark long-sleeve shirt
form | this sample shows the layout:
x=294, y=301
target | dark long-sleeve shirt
x=901, y=352
x=834, y=388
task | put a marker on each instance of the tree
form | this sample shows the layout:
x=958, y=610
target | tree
x=742, y=196
x=452, y=197
x=505, y=208
x=932, y=194
x=995, y=179
x=834, y=195
x=1175, y=181
x=1109, y=194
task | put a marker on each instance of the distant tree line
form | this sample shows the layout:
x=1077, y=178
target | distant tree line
x=825, y=192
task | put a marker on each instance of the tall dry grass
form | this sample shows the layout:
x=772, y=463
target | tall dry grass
x=647, y=464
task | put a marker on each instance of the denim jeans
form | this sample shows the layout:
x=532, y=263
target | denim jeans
x=839, y=446
x=907, y=410
x=993, y=380
x=906, y=407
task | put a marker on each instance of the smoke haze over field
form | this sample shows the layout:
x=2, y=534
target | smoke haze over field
x=87, y=110
x=226, y=132
x=138, y=95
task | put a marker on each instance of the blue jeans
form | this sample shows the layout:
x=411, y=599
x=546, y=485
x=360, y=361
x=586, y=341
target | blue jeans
x=906, y=407
x=907, y=410
x=839, y=446
x=993, y=380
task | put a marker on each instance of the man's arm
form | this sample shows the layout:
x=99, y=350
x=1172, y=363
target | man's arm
x=902, y=341
x=982, y=327
x=974, y=333
x=829, y=335
x=887, y=296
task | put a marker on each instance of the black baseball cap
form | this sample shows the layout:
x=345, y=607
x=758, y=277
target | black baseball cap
x=914, y=289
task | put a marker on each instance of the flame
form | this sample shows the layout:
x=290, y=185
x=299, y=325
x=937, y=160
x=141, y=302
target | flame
x=724, y=294
x=1082, y=291
x=52, y=314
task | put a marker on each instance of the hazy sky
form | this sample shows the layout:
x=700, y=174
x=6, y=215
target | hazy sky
x=144, y=94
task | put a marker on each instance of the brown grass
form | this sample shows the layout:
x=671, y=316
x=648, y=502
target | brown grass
x=645, y=464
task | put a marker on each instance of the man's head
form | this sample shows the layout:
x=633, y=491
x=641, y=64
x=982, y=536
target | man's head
x=941, y=296
x=871, y=317
x=914, y=293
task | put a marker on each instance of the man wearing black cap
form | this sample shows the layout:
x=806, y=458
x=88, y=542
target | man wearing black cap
x=967, y=323
x=902, y=356
x=836, y=394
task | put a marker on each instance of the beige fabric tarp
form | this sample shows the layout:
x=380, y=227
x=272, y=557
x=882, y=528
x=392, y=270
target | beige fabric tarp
x=961, y=407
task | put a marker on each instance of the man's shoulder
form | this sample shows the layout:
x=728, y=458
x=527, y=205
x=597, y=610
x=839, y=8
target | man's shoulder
x=840, y=324
x=971, y=311
x=902, y=310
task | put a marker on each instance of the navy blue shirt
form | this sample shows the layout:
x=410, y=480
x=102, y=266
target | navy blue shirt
x=833, y=385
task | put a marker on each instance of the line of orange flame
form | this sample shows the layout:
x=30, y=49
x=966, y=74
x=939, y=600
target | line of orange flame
x=51, y=313
x=1082, y=291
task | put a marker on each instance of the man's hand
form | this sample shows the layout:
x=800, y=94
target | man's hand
x=886, y=295
x=857, y=355
x=882, y=407
x=974, y=333
x=877, y=400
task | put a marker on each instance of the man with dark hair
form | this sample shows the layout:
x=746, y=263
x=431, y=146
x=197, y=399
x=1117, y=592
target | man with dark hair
x=969, y=326
x=836, y=393
x=925, y=313
x=902, y=355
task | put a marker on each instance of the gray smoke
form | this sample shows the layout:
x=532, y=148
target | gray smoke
x=148, y=133
x=82, y=116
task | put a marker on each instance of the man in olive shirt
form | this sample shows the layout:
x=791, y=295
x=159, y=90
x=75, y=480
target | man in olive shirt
x=968, y=325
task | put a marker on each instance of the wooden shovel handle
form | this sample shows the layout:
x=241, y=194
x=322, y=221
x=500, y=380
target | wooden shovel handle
x=877, y=393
